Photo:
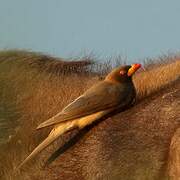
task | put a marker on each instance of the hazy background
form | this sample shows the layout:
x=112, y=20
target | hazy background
x=134, y=29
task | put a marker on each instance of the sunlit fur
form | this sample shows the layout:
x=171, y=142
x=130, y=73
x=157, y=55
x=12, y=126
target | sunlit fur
x=38, y=95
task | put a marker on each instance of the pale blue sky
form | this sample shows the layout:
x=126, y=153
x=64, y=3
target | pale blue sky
x=135, y=29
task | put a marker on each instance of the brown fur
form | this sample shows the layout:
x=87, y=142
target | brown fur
x=174, y=156
x=130, y=145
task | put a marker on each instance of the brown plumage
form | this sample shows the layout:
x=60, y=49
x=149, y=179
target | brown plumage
x=113, y=94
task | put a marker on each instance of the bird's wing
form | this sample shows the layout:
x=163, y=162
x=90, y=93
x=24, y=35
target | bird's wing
x=100, y=97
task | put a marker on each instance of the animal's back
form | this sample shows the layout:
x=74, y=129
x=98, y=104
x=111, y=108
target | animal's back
x=131, y=145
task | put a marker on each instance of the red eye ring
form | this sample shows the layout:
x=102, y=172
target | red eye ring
x=122, y=72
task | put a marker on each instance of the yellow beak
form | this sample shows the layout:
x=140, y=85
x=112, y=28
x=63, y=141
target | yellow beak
x=133, y=69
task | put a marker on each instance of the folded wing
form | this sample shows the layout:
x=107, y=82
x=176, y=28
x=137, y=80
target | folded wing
x=100, y=97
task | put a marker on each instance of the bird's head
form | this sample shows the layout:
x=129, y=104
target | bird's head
x=122, y=73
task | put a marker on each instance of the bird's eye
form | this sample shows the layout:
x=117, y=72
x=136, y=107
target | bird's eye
x=122, y=72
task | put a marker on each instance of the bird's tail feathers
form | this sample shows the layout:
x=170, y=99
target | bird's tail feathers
x=54, y=134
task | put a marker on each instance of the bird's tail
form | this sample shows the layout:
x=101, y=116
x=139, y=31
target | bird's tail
x=54, y=134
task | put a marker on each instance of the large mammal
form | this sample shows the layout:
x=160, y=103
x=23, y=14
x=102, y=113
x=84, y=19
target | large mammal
x=130, y=145
x=136, y=142
x=114, y=93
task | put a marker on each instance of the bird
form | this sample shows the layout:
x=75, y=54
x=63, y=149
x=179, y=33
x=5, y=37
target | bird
x=114, y=93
